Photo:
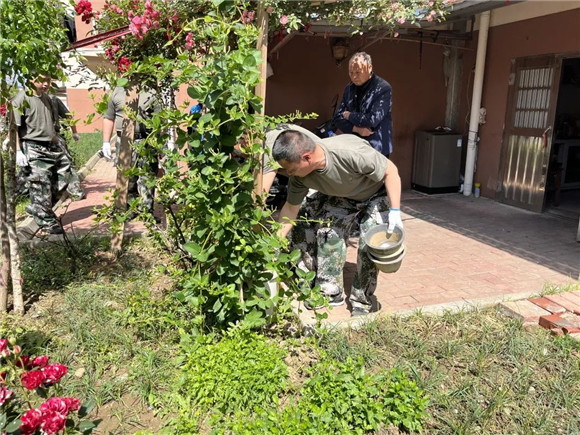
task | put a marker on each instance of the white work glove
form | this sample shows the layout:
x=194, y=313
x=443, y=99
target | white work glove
x=76, y=137
x=21, y=159
x=394, y=220
x=106, y=150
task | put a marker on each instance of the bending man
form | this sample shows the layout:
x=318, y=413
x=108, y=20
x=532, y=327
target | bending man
x=357, y=180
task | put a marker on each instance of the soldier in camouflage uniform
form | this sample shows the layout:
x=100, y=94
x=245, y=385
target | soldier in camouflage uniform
x=144, y=184
x=352, y=180
x=38, y=147
x=73, y=182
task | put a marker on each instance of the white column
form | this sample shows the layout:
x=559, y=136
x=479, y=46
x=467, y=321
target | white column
x=476, y=103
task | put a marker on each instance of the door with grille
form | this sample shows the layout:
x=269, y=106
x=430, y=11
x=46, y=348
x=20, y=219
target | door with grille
x=532, y=97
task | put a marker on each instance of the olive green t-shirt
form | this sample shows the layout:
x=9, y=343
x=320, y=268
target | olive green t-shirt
x=271, y=136
x=354, y=170
x=116, y=105
x=35, y=120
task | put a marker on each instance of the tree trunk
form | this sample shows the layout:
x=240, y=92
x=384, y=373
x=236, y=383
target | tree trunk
x=4, y=243
x=11, y=219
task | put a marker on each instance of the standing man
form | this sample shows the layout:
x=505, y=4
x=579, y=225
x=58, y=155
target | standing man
x=38, y=147
x=73, y=182
x=356, y=179
x=141, y=185
x=365, y=109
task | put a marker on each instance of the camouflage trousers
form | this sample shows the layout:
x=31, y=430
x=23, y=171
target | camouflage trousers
x=49, y=175
x=323, y=243
x=142, y=186
x=64, y=179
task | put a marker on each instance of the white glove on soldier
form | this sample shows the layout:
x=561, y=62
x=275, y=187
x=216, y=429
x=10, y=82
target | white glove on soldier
x=76, y=137
x=106, y=150
x=394, y=220
x=21, y=159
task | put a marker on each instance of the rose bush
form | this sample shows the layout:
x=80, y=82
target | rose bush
x=25, y=382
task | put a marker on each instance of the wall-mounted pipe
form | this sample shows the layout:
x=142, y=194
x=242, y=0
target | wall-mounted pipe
x=476, y=103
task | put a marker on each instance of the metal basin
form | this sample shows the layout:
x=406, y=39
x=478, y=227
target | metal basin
x=391, y=257
x=388, y=266
x=382, y=244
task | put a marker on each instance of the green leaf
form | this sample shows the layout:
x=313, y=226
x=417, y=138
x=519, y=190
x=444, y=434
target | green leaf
x=192, y=248
x=122, y=82
x=13, y=426
x=87, y=427
x=249, y=62
x=87, y=407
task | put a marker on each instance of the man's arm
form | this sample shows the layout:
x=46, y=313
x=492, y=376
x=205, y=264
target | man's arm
x=343, y=125
x=108, y=126
x=376, y=113
x=393, y=185
x=287, y=217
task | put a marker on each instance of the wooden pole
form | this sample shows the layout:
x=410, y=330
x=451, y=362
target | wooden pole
x=260, y=90
x=4, y=243
x=124, y=164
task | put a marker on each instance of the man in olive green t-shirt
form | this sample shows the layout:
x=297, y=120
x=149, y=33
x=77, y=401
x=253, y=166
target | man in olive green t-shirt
x=36, y=117
x=354, y=179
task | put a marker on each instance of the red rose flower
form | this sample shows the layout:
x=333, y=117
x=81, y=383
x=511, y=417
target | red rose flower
x=5, y=394
x=124, y=64
x=52, y=422
x=72, y=404
x=24, y=362
x=40, y=361
x=3, y=112
x=53, y=373
x=32, y=380
x=30, y=421
x=54, y=404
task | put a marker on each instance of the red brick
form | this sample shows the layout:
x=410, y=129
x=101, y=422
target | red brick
x=569, y=325
x=566, y=300
x=547, y=304
x=556, y=331
x=523, y=310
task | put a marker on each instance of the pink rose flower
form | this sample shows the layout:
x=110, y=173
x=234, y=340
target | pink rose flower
x=32, y=380
x=5, y=394
x=30, y=421
x=3, y=341
x=401, y=21
x=52, y=422
x=269, y=9
x=283, y=20
x=54, y=372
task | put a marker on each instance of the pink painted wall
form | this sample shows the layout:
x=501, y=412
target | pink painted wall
x=80, y=102
x=306, y=78
x=557, y=33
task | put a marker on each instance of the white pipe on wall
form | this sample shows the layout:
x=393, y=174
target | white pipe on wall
x=476, y=103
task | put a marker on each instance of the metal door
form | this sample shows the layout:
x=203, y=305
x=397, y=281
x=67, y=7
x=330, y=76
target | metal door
x=532, y=97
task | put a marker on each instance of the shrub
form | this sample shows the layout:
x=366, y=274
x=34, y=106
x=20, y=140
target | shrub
x=342, y=398
x=242, y=371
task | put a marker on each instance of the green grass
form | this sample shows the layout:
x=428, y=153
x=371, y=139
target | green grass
x=125, y=339
x=483, y=372
x=84, y=149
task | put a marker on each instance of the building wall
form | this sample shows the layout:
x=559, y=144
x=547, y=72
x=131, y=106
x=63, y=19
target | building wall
x=556, y=33
x=80, y=102
x=306, y=78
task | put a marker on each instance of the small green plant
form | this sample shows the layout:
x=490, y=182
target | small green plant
x=242, y=371
x=342, y=398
